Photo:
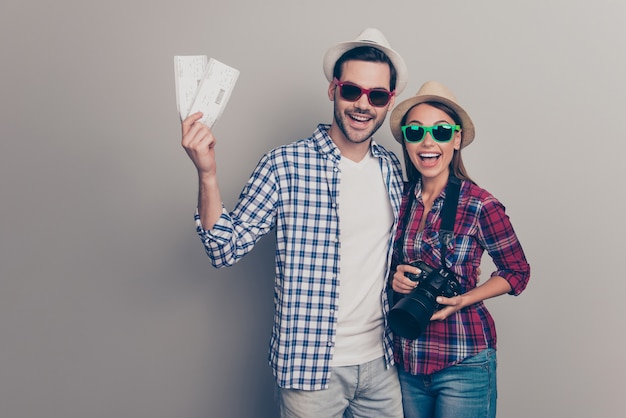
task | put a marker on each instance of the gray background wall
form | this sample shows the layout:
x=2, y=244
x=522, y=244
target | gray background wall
x=108, y=305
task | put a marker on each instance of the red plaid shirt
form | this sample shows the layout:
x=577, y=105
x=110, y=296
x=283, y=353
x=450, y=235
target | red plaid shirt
x=481, y=225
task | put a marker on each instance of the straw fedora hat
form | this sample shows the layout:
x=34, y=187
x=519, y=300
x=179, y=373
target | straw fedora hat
x=369, y=37
x=432, y=91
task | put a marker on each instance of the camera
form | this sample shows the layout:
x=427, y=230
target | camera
x=411, y=314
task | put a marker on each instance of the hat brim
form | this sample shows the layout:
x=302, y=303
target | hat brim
x=398, y=113
x=334, y=53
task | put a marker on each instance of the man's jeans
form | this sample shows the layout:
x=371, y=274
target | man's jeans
x=364, y=391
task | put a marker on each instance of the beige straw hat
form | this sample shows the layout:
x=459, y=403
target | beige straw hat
x=432, y=91
x=369, y=37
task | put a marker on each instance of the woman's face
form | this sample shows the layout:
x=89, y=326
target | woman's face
x=431, y=158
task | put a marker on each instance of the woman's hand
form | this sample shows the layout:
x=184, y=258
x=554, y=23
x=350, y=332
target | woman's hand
x=402, y=284
x=453, y=305
x=493, y=287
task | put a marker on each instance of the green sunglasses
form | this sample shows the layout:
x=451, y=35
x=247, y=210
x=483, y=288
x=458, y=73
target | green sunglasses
x=440, y=133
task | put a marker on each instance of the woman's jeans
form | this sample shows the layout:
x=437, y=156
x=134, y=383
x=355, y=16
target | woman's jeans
x=465, y=390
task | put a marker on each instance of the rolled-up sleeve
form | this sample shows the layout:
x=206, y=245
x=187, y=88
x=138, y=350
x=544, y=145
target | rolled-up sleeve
x=235, y=233
x=502, y=244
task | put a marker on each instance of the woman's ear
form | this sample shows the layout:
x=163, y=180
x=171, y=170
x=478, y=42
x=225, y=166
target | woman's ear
x=457, y=140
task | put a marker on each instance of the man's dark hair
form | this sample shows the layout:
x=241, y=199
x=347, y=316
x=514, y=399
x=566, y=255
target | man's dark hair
x=366, y=53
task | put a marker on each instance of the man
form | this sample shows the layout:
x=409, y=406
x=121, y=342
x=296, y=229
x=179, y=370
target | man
x=333, y=201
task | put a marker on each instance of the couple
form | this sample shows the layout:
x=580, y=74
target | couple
x=347, y=226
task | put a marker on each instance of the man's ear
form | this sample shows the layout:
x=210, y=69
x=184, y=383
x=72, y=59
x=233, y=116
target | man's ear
x=332, y=87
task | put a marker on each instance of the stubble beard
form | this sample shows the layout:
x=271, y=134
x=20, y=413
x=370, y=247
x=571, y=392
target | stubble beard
x=363, y=136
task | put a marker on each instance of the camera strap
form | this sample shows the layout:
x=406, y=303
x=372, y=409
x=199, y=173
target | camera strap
x=448, y=215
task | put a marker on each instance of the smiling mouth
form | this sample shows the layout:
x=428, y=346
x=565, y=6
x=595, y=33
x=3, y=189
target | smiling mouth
x=359, y=117
x=429, y=156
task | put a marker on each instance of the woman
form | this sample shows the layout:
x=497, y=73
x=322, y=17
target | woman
x=449, y=370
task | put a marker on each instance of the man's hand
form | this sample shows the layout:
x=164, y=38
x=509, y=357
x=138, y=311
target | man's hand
x=199, y=143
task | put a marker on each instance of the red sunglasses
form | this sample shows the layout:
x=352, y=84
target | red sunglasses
x=351, y=92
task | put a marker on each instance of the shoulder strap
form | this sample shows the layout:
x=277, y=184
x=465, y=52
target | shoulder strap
x=448, y=214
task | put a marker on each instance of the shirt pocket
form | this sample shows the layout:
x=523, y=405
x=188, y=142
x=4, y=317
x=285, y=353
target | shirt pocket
x=464, y=256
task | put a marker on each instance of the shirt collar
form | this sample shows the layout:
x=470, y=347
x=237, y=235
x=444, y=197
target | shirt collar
x=325, y=144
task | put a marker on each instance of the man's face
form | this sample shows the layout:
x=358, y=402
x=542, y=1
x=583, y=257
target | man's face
x=357, y=121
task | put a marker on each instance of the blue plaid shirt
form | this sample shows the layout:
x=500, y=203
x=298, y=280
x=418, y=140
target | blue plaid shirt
x=294, y=189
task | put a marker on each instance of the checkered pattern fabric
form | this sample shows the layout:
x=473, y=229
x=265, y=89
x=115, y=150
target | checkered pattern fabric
x=293, y=190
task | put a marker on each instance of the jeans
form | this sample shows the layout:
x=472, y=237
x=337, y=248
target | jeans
x=465, y=390
x=365, y=391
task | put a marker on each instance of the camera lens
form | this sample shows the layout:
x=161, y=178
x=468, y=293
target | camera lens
x=411, y=315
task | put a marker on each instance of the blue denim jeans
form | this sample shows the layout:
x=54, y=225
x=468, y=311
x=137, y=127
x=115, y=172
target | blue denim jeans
x=465, y=390
x=365, y=391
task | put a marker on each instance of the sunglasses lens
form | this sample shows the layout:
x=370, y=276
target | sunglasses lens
x=379, y=97
x=443, y=133
x=413, y=133
x=350, y=92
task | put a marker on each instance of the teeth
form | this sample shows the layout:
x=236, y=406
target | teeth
x=360, y=118
x=429, y=155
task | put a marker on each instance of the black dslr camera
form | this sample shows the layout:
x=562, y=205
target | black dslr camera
x=411, y=314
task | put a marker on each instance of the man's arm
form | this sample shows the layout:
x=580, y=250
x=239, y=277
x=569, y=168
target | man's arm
x=199, y=143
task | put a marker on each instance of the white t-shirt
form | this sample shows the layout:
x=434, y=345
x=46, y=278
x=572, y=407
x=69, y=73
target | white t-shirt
x=365, y=222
